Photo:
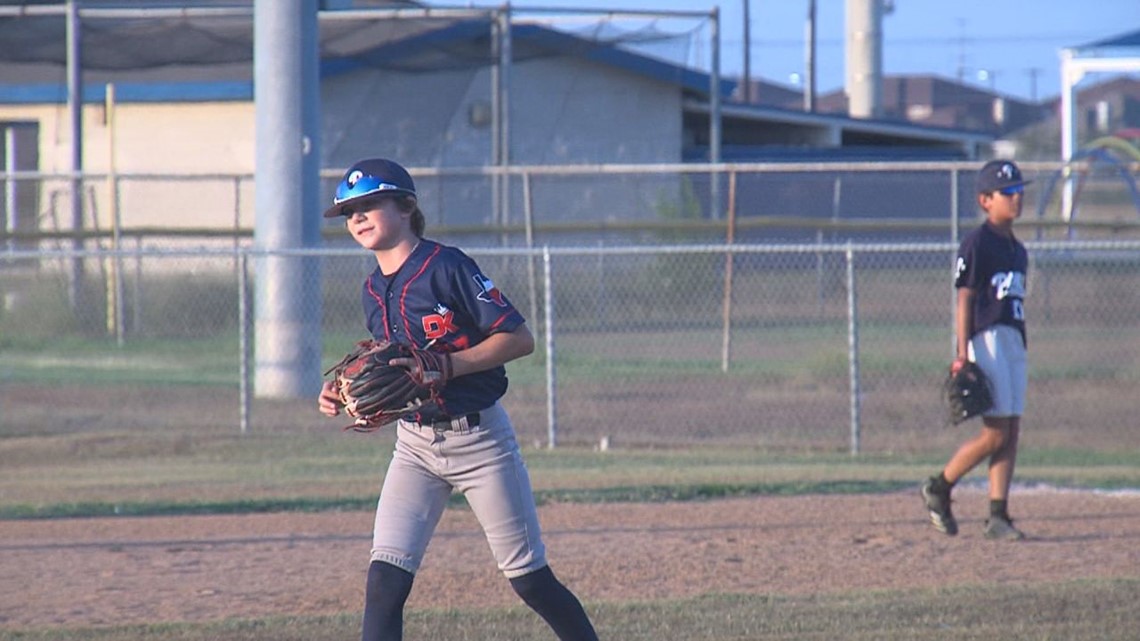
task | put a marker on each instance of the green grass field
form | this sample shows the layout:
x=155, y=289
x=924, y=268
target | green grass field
x=159, y=473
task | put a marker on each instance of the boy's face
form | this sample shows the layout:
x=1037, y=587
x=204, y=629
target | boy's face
x=376, y=223
x=1002, y=206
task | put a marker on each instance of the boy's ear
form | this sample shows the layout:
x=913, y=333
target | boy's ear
x=984, y=200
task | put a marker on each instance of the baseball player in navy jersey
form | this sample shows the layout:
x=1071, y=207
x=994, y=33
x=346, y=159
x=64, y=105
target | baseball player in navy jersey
x=433, y=296
x=990, y=330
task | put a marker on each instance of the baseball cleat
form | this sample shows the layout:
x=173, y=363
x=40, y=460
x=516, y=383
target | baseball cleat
x=999, y=528
x=938, y=504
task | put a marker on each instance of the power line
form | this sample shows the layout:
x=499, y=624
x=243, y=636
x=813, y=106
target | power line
x=927, y=41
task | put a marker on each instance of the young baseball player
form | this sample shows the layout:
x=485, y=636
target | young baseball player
x=433, y=296
x=990, y=330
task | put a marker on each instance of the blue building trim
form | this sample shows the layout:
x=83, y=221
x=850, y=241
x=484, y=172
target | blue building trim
x=132, y=92
x=391, y=55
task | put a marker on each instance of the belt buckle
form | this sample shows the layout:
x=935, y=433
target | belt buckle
x=464, y=423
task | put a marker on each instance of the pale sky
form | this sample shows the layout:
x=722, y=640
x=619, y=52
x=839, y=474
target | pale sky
x=1011, y=46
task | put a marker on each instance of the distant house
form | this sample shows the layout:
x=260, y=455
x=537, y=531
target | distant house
x=1104, y=107
x=939, y=102
x=768, y=94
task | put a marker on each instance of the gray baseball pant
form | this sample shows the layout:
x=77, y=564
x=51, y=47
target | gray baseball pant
x=484, y=464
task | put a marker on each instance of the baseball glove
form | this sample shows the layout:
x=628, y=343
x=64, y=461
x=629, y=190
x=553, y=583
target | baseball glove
x=379, y=381
x=967, y=393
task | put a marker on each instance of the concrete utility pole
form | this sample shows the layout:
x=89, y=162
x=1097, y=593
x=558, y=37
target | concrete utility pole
x=864, y=63
x=288, y=287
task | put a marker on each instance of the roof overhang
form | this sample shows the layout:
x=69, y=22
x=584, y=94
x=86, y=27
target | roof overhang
x=834, y=130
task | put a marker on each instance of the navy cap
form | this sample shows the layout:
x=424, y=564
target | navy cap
x=367, y=178
x=999, y=174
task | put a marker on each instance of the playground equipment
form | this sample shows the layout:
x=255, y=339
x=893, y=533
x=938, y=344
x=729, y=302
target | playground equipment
x=1116, y=155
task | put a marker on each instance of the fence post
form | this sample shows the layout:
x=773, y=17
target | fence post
x=136, y=289
x=853, y=349
x=954, y=233
x=528, y=221
x=726, y=312
x=243, y=340
x=551, y=388
x=11, y=188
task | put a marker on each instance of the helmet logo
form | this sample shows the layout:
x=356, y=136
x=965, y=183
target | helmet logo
x=1006, y=171
x=353, y=177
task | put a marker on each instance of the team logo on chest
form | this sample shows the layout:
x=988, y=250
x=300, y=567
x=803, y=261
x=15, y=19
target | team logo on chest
x=490, y=293
x=1008, y=284
x=439, y=324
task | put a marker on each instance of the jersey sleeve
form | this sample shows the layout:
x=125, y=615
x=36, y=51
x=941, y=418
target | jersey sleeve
x=967, y=271
x=487, y=306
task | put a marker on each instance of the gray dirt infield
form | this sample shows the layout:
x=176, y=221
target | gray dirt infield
x=74, y=572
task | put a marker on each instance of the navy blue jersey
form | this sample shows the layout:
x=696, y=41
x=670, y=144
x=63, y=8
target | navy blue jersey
x=994, y=266
x=439, y=297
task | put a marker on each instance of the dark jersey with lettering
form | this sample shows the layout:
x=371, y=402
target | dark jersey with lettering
x=439, y=297
x=994, y=266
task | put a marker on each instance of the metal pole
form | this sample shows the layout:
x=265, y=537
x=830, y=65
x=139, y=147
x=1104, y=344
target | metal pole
x=237, y=217
x=11, y=166
x=528, y=222
x=244, y=355
x=288, y=298
x=954, y=233
x=505, y=105
x=116, y=318
x=714, y=112
x=136, y=288
x=75, y=112
x=820, y=281
x=853, y=350
x=730, y=237
x=1070, y=76
x=954, y=205
x=747, y=74
x=496, y=113
x=809, y=63
x=551, y=370
x=836, y=212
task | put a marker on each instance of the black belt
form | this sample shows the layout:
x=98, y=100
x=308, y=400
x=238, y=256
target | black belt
x=447, y=424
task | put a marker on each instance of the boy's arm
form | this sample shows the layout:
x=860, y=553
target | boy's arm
x=963, y=326
x=497, y=349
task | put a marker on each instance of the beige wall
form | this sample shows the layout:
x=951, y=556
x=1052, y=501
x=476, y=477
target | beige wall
x=189, y=139
x=563, y=111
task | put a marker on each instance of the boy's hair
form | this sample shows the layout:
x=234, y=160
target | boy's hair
x=409, y=204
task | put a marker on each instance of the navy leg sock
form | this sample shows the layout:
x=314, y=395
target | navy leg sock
x=555, y=604
x=388, y=589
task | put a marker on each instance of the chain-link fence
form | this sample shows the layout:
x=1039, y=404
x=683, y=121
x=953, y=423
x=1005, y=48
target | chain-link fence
x=572, y=205
x=832, y=346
